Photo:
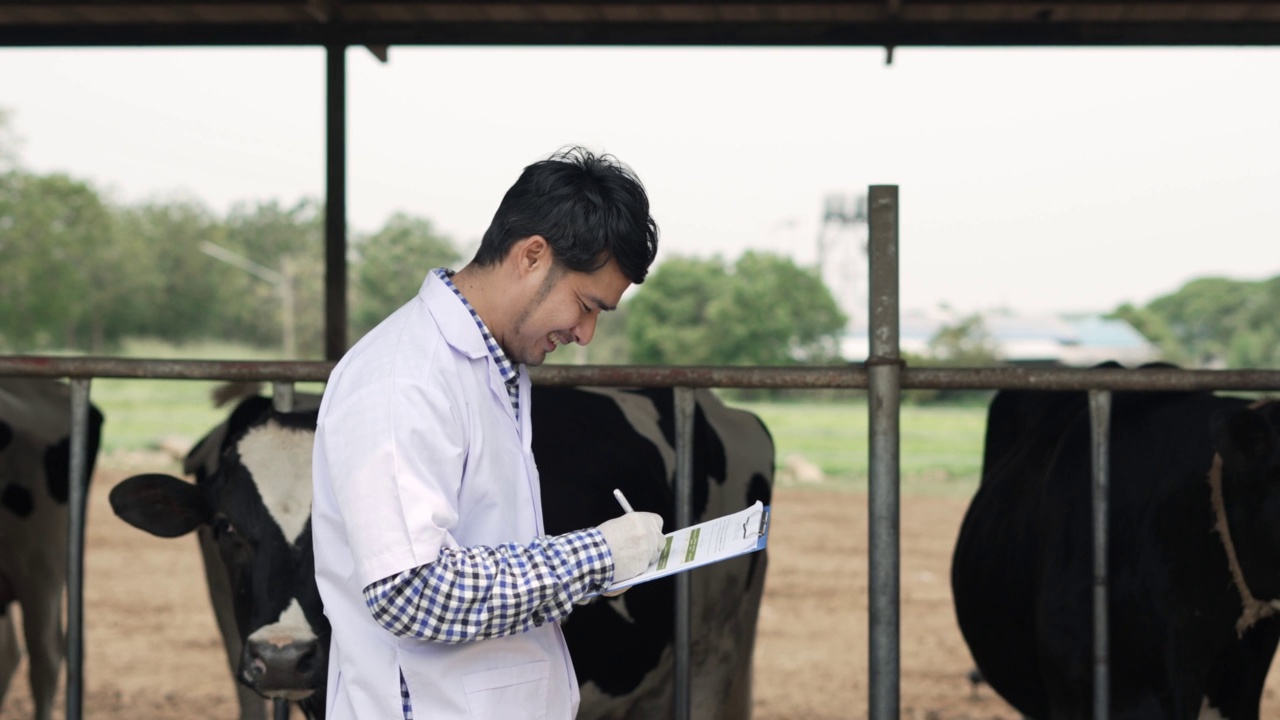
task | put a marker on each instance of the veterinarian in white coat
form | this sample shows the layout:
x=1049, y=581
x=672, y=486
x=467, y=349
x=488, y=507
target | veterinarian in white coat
x=443, y=593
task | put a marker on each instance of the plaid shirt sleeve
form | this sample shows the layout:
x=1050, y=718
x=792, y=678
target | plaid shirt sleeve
x=481, y=592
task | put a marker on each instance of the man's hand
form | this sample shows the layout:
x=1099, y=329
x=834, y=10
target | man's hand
x=635, y=541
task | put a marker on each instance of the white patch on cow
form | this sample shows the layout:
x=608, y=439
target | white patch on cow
x=1208, y=712
x=642, y=416
x=280, y=460
x=292, y=627
x=40, y=409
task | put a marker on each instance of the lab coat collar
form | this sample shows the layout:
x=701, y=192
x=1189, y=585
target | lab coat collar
x=460, y=330
x=457, y=326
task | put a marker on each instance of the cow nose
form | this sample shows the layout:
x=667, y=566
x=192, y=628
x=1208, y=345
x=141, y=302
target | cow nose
x=280, y=667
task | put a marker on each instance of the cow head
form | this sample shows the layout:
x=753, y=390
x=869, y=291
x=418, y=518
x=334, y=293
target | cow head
x=255, y=502
x=1248, y=441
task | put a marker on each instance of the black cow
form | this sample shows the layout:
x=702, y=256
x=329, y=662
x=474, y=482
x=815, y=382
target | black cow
x=1181, y=642
x=35, y=471
x=586, y=443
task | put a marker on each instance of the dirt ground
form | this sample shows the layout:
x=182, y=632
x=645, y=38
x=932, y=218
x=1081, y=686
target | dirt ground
x=153, y=651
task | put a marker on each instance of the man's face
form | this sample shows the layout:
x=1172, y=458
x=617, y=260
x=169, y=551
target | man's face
x=564, y=310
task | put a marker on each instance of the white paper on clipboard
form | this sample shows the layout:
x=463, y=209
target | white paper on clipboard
x=708, y=542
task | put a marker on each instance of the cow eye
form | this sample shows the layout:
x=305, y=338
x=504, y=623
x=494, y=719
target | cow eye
x=222, y=527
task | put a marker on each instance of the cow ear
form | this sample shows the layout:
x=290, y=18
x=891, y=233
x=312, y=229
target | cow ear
x=1244, y=438
x=162, y=505
x=6, y=435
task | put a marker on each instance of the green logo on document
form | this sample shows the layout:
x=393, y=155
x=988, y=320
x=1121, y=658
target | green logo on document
x=692, y=550
x=666, y=554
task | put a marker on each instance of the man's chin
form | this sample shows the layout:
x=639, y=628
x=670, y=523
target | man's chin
x=538, y=358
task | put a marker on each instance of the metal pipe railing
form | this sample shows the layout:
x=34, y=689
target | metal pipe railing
x=82, y=369
x=838, y=377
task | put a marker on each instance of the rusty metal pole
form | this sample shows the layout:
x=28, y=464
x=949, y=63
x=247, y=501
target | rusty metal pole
x=1100, y=424
x=77, y=497
x=685, y=405
x=884, y=368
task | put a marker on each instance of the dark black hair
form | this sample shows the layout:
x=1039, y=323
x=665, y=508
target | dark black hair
x=589, y=207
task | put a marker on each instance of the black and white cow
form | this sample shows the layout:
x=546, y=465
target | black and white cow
x=1184, y=641
x=251, y=504
x=586, y=443
x=35, y=465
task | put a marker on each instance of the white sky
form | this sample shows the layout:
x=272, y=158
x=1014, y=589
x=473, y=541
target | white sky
x=1041, y=180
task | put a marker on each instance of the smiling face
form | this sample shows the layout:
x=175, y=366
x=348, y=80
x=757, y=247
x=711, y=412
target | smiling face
x=563, y=309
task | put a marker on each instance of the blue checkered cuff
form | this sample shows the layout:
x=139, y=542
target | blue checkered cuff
x=481, y=592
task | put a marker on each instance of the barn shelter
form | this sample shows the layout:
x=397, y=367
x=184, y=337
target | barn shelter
x=638, y=22
x=338, y=25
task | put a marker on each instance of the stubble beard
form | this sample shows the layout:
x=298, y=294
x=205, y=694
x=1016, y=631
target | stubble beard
x=549, y=282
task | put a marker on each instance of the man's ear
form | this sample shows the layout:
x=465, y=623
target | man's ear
x=532, y=255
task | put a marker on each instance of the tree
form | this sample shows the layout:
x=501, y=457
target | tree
x=289, y=240
x=775, y=313
x=1153, y=327
x=60, y=259
x=9, y=142
x=1214, y=322
x=764, y=311
x=176, y=292
x=389, y=267
x=966, y=343
x=1206, y=316
x=668, y=318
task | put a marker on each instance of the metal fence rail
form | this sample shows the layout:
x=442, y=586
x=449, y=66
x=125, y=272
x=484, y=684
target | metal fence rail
x=883, y=444
x=847, y=377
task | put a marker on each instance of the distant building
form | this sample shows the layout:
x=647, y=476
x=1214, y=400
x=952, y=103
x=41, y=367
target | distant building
x=1073, y=340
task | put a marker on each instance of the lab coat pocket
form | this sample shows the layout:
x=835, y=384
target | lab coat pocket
x=519, y=691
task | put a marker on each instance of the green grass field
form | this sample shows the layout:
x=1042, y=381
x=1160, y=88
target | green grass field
x=941, y=448
x=940, y=451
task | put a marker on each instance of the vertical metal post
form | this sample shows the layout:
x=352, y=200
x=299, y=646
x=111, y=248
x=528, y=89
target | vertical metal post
x=77, y=496
x=282, y=396
x=335, y=203
x=884, y=396
x=1100, y=424
x=684, y=406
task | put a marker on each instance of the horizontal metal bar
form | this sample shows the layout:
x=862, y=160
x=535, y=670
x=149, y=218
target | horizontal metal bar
x=99, y=367
x=852, y=377
x=651, y=34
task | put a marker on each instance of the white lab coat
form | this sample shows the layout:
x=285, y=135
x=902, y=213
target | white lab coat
x=417, y=448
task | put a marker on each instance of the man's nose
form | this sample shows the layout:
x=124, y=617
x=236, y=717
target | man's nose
x=585, y=330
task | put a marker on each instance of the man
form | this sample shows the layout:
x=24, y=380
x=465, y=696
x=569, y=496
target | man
x=444, y=595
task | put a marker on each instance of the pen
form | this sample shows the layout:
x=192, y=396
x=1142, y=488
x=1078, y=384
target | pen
x=622, y=500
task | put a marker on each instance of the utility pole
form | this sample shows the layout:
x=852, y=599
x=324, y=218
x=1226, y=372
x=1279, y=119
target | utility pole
x=282, y=281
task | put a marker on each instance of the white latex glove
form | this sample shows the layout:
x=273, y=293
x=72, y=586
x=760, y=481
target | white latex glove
x=635, y=540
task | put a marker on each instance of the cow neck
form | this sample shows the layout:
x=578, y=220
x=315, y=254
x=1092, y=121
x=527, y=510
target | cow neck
x=1254, y=609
